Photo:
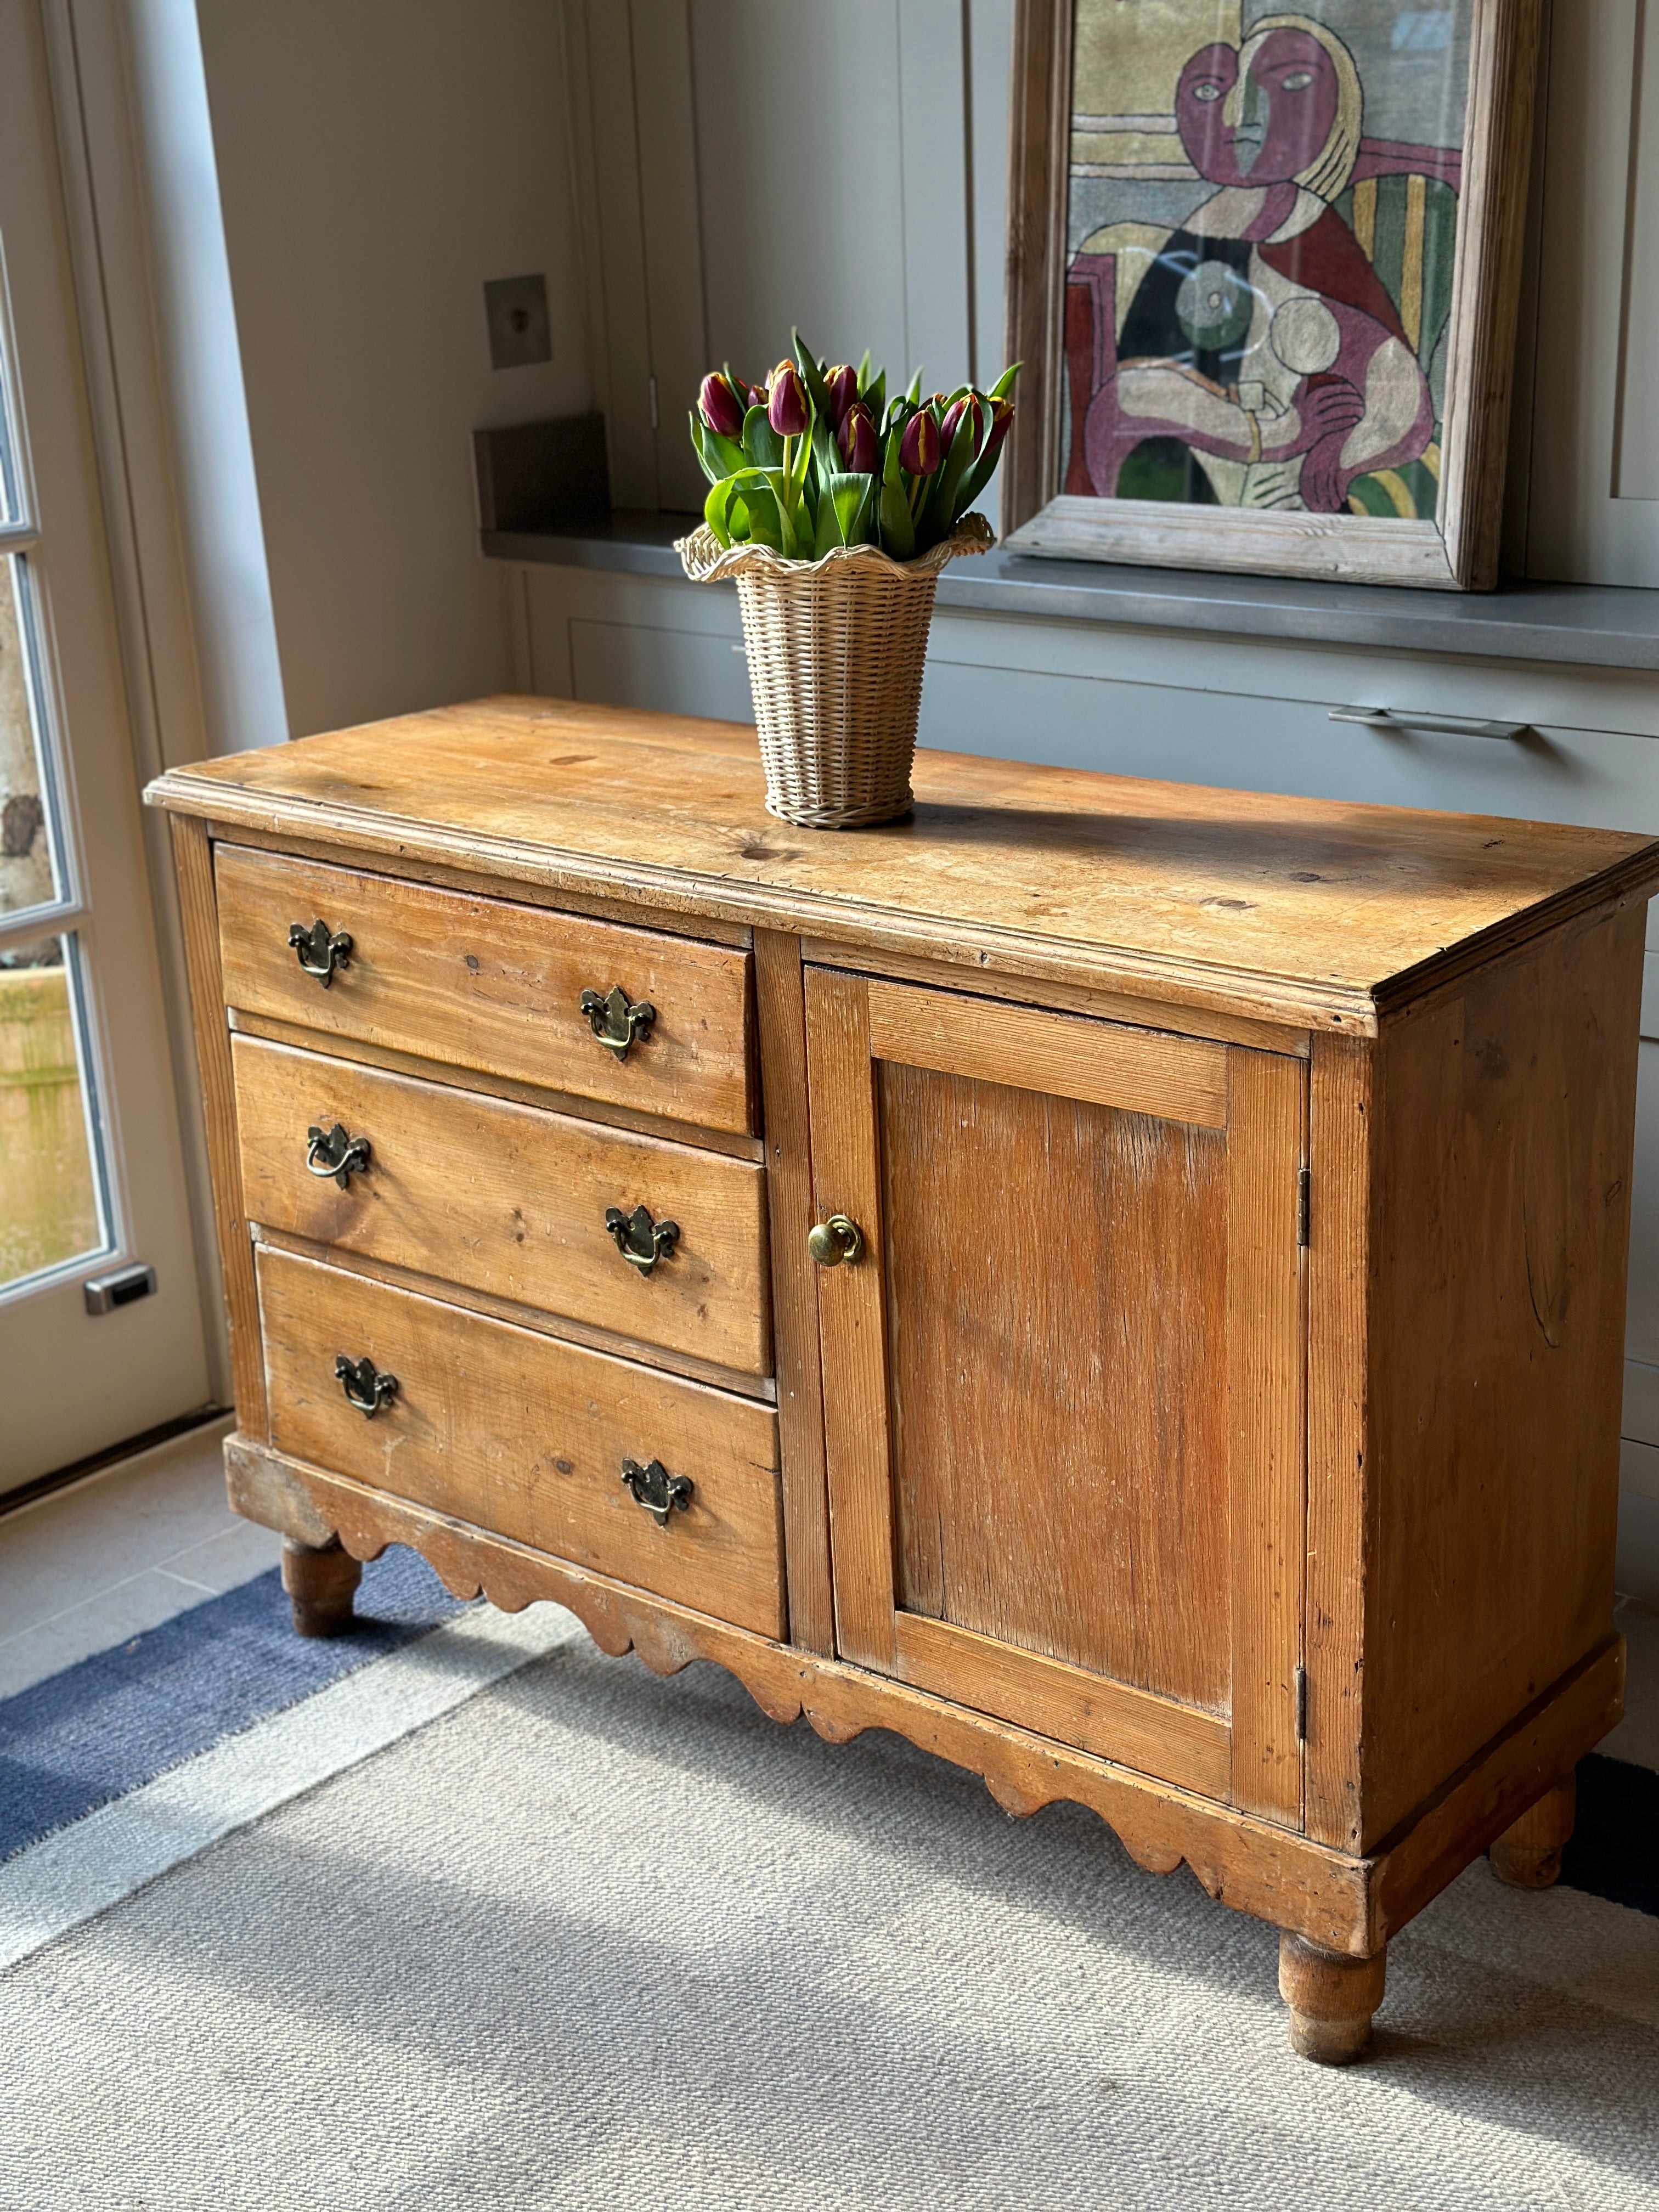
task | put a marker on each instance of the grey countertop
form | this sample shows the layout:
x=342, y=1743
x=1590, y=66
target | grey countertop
x=1592, y=625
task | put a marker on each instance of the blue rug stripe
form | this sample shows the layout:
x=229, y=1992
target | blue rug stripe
x=115, y=1721
x=1615, y=1851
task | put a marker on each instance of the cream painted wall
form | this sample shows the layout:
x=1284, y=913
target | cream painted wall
x=379, y=160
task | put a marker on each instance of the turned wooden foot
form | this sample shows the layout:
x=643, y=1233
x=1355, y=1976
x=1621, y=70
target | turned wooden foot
x=1331, y=1998
x=1529, y=1855
x=321, y=1582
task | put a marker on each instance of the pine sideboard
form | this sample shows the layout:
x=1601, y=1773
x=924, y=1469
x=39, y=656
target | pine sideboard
x=1120, y=1283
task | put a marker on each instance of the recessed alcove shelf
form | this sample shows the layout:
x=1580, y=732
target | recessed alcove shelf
x=1597, y=626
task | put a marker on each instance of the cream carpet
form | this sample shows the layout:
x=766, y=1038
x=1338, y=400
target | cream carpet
x=592, y=1939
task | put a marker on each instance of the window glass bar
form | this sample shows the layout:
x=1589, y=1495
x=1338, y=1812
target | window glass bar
x=55, y=1210
x=11, y=499
x=34, y=874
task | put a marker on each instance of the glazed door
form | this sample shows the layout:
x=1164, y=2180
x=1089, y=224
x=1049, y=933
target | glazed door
x=101, y=1329
x=1063, y=1377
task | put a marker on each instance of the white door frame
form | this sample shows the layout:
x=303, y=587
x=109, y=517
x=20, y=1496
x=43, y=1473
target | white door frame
x=164, y=517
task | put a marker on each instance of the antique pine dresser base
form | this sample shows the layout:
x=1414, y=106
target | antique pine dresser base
x=1200, y=1396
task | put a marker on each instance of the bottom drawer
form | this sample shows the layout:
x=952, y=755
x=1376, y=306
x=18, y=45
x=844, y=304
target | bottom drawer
x=526, y=1437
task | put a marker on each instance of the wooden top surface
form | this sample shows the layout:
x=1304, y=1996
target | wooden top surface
x=1314, y=912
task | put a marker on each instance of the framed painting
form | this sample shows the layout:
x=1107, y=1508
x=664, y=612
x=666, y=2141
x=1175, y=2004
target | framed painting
x=1263, y=272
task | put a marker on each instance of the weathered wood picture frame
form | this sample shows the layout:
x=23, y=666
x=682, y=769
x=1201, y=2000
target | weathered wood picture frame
x=1362, y=435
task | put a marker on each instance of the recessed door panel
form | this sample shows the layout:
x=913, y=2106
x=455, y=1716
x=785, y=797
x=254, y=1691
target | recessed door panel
x=1056, y=1301
x=1063, y=1374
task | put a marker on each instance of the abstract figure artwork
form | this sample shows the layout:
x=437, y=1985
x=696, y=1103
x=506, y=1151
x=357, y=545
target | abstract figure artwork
x=1255, y=342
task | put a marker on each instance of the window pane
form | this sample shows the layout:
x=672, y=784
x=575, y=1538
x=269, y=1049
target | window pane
x=51, y=1202
x=29, y=875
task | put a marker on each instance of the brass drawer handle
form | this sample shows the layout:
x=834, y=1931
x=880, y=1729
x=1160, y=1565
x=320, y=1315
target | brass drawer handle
x=642, y=1241
x=319, y=950
x=832, y=1242
x=331, y=1152
x=365, y=1387
x=653, y=1488
x=616, y=1019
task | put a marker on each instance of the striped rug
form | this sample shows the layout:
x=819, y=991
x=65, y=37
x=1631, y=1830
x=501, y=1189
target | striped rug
x=458, y=1913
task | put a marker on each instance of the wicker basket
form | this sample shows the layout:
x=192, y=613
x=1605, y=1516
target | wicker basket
x=836, y=650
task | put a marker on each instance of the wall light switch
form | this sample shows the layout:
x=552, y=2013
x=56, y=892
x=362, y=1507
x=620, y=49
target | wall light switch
x=521, y=331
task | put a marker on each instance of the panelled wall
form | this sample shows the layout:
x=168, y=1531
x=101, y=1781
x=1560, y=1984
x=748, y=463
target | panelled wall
x=741, y=166
x=1587, y=449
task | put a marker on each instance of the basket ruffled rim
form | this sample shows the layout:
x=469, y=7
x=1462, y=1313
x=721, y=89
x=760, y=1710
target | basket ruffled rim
x=707, y=561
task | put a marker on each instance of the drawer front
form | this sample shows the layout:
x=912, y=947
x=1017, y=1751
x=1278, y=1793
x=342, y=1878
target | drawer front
x=485, y=983
x=509, y=1200
x=1267, y=741
x=526, y=1437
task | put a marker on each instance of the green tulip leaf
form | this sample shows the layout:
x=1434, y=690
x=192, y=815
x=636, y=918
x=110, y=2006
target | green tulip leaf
x=940, y=509
x=811, y=376
x=765, y=523
x=717, y=509
x=898, y=532
x=848, y=497
x=974, y=479
x=778, y=485
x=749, y=513
x=760, y=442
x=912, y=390
x=725, y=451
x=1005, y=383
x=708, y=467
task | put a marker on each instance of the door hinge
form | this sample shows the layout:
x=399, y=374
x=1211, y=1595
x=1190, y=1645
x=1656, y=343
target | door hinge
x=1304, y=1204
x=1302, y=1704
x=655, y=424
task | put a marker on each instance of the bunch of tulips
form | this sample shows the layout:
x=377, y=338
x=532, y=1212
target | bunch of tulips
x=821, y=457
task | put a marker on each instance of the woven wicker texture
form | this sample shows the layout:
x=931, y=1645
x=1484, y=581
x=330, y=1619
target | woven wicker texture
x=835, y=651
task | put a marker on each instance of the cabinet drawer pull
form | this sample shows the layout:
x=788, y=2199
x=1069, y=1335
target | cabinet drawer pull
x=319, y=949
x=331, y=1152
x=832, y=1242
x=365, y=1387
x=653, y=1488
x=1433, y=726
x=616, y=1019
x=642, y=1241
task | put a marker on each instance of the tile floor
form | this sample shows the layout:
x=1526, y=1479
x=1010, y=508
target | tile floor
x=126, y=1549
x=122, y=1550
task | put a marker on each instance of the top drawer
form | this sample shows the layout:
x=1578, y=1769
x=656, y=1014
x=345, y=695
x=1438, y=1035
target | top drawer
x=484, y=983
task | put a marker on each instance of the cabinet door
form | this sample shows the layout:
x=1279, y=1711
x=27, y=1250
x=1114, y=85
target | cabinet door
x=1063, y=1378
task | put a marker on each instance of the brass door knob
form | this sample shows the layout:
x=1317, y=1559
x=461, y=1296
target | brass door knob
x=832, y=1242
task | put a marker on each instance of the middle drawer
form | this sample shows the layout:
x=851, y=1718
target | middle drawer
x=509, y=1200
